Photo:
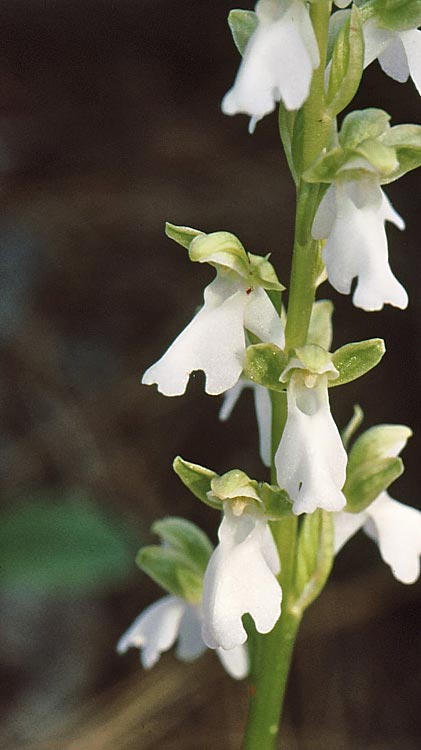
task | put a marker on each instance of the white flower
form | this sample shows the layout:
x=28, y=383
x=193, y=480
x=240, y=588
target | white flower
x=263, y=407
x=398, y=52
x=240, y=578
x=171, y=619
x=352, y=216
x=214, y=341
x=311, y=460
x=395, y=527
x=278, y=61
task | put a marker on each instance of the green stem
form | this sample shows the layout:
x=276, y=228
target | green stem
x=267, y=694
x=273, y=655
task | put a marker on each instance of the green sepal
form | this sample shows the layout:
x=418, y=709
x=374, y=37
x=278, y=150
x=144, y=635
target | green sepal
x=234, y=485
x=361, y=125
x=353, y=360
x=182, y=235
x=197, y=479
x=242, y=23
x=320, y=330
x=373, y=464
x=263, y=273
x=186, y=537
x=354, y=423
x=276, y=502
x=397, y=15
x=327, y=166
x=264, y=364
x=347, y=64
x=381, y=157
x=313, y=359
x=406, y=141
x=314, y=557
x=172, y=570
x=220, y=249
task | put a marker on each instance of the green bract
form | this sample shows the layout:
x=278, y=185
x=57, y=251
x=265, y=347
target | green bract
x=224, y=250
x=373, y=464
x=242, y=24
x=347, y=64
x=368, y=145
x=179, y=564
x=354, y=423
x=314, y=558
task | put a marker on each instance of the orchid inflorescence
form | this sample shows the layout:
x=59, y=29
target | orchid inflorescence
x=325, y=485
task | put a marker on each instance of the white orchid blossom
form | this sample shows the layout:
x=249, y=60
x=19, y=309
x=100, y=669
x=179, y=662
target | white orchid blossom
x=395, y=527
x=311, y=460
x=172, y=619
x=240, y=578
x=263, y=407
x=351, y=216
x=278, y=61
x=398, y=52
x=215, y=340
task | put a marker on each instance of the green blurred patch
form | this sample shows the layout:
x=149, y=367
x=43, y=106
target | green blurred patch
x=69, y=545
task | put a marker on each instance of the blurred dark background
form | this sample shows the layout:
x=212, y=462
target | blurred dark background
x=110, y=125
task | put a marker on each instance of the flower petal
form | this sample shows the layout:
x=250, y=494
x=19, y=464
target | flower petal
x=345, y=526
x=235, y=661
x=411, y=41
x=261, y=318
x=311, y=460
x=213, y=342
x=190, y=642
x=393, y=60
x=238, y=581
x=397, y=530
x=155, y=630
x=375, y=40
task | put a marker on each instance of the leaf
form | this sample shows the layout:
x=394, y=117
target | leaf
x=354, y=360
x=242, y=23
x=62, y=546
x=347, y=64
x=264, y=364
x=197, y=479
x=186, y=537
x=314, y=558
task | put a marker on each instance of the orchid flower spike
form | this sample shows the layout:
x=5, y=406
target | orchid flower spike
x=311, y=460
x=351, y=216
x=172, y=619
x=395, y=527
x=278, y=61
x=398, y=52
x=235, y=302
x=240, y=578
